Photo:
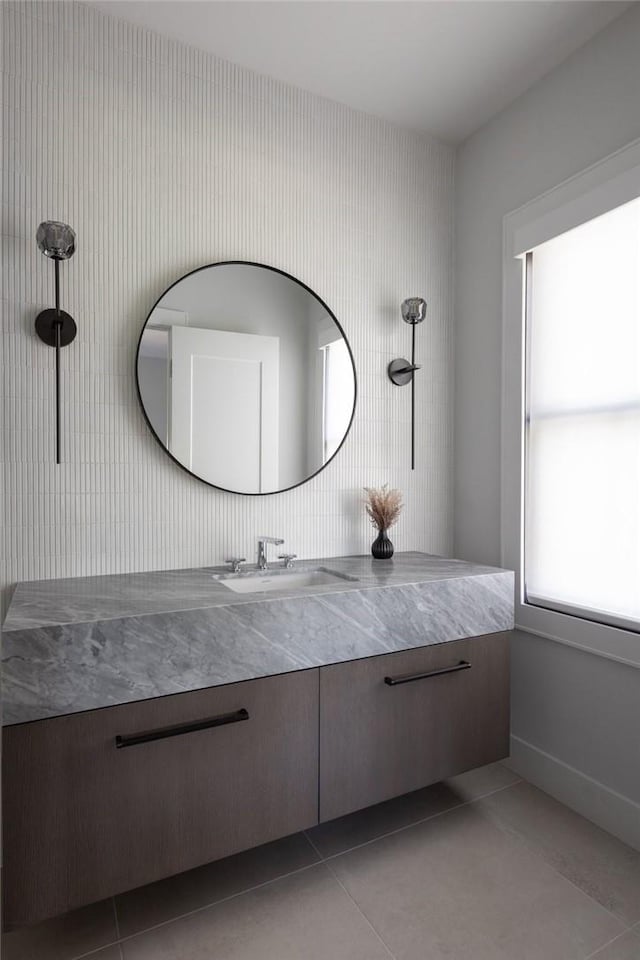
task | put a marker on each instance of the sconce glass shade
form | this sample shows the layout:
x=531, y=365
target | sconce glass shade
x=56, y=240
x=414, y=310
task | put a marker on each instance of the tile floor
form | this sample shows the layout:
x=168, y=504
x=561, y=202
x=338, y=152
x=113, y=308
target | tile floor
x=482, y=867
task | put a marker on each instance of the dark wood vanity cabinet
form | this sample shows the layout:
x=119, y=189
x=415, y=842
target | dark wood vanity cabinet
x=97, y=803
x=395, y=723
x=87, y=816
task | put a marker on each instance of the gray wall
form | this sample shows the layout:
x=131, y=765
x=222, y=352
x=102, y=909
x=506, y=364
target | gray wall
x=578, y=708
x=582, y=709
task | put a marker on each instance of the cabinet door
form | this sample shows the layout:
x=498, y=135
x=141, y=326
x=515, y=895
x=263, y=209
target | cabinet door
x=193, y=778
x=395, y=723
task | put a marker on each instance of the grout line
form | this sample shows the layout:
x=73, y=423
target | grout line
x=206, y=906
x=312, y=844
x=604, y=946
x=115, y=916
x=105, y=946
x=97, y=950
x=305, y=833
x=361, y=912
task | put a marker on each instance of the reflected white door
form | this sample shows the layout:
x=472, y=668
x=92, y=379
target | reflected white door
x=224, y=406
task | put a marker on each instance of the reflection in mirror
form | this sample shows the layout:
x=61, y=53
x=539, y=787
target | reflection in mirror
x=246, y=378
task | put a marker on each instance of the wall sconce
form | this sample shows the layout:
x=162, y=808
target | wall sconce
x=55, y=327
x=402, y=371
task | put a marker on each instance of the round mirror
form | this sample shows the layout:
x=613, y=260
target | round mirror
x=246, y=377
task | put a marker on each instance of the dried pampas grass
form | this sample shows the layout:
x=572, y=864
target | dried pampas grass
x=383, y=506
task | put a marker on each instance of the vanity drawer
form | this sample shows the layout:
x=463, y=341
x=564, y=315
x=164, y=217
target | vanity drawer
x=191, y=779
x=398, y=722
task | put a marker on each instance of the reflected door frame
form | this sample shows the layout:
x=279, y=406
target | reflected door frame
x=234, y=373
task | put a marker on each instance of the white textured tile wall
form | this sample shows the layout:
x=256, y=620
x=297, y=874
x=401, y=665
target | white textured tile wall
x=164, y=158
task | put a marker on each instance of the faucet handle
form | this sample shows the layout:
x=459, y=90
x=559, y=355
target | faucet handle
x=236, y=563
x=288, y=559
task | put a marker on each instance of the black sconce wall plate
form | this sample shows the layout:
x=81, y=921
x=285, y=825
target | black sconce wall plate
x=401, y=371
x=46, y=327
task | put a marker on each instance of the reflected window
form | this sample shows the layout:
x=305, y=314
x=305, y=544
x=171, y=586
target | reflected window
x=337, y=395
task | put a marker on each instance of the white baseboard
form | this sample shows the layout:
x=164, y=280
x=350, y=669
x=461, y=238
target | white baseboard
x=610, y=810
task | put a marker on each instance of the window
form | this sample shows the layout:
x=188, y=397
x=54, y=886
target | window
x=337, y=395
x=581, y=546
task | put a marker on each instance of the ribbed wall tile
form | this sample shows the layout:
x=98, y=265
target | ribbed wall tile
x=164, y=158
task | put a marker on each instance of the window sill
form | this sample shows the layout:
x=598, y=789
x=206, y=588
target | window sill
x=599, y=639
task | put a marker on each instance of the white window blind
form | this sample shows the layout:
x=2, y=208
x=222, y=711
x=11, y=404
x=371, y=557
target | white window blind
x=582, y=477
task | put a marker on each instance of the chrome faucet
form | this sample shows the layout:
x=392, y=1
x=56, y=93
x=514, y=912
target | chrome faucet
x=262, y=556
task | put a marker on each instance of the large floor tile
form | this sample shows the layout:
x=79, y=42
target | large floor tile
x=146, y=906
x=342, y=834
x=64, y=937
x=601, y=865
x=626, y=947
x=306, y=916
x=457, y=887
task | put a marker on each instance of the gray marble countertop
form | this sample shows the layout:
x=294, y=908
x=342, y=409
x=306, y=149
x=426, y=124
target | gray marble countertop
x=81, y=644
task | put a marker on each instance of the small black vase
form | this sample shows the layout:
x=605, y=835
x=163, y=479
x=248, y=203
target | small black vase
x=382, y=548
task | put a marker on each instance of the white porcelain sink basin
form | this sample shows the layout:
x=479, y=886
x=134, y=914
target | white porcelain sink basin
x=280, y=580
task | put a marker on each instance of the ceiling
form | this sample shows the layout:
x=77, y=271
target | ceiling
x=443, y=68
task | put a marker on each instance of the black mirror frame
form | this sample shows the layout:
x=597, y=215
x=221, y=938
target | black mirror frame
x=283, y=273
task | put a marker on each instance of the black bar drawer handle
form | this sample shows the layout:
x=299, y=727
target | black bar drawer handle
x=409, y=677
x=162, y=732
